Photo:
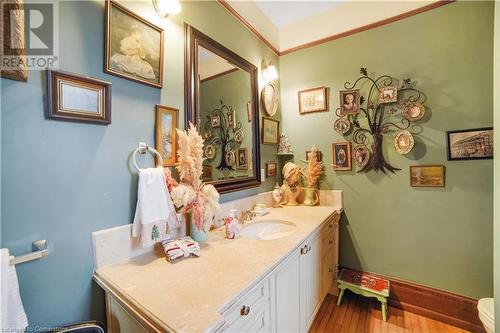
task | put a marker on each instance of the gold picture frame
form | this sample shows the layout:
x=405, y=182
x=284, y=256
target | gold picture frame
x=313, y=100
x=125, y=29
x=242, y=159
x=166, y=122
x=427, y=175
x=12, y=16
x=270, y=131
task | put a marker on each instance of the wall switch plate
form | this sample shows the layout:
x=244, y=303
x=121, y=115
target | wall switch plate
x=262, y=175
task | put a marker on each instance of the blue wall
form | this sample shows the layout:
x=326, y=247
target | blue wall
x=62, y=180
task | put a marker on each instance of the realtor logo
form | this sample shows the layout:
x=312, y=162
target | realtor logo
x=30, y=35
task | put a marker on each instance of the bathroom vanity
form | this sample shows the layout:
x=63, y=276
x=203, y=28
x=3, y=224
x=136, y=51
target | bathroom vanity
x=243, y=285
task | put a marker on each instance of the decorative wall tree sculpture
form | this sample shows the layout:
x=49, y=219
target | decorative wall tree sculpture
x=221, y=129
x=390, y=106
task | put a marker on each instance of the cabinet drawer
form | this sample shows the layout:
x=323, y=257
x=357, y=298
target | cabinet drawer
x=251, y=312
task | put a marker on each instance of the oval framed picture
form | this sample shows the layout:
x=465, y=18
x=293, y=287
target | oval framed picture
x=238, y=135
x=230, y=158
x=404, y=142
x=342, y=125
x=209, y=152
x=361, y=155
x=414, y=111
x=269, y=99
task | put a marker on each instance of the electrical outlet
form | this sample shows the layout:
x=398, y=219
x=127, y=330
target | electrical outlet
x=262, y=175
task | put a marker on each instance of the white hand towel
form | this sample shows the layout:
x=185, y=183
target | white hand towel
x=12, y=318
x=155, y=212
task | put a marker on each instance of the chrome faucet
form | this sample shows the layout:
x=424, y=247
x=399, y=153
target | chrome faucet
x=246, y=216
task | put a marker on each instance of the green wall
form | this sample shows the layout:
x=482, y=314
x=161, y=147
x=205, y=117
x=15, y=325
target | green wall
x=234, y=90
x=436, y=237
x=62, y=180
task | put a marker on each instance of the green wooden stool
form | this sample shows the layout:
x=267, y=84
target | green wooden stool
x=365, y=285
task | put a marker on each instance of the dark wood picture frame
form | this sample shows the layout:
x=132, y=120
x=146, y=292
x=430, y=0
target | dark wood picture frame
x=55, y=109
x=174, y=113
x=482, y=129
x=243, y=166
x=414, y=183
x=348, y=152
x=270, y=173
x=109, y=5
x=193, y=39
x=276, y=141
x=319, y=109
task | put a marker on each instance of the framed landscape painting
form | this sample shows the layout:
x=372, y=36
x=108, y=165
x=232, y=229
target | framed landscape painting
x=270, y=131
x=470, y=144
x=78, y=98
x=166, y=136
x=134, y=46
x=427, y=175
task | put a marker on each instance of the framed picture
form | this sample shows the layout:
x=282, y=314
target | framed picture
x=388, y=94
x=242, y=160
x=313, y=100
x=427, y=175
x=206, y=172
x=78, y=98
x=470, y=144
x=209, y=151
x=249, y=111
x=342, y=156
x=14, y=49
x=167, y=120
x=270, y=131
x=269, y=99
x=320, y=155
x=215, y=121
x=231, y=121
x=361, y=155
x=350, y=101
x=271, y=169
x=133, y=46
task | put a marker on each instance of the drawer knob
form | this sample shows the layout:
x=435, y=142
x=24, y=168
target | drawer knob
x=330, y=241
x=330, y=225
x=245, y=310
x=330, y=270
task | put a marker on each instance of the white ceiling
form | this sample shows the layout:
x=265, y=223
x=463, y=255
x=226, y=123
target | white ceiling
x=289, y=24
x=295, y=10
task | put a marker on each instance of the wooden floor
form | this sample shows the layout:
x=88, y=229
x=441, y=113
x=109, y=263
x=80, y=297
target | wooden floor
x=357, y=314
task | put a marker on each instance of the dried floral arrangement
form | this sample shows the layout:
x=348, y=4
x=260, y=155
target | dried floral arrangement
x=315, y=168
x=191, y=195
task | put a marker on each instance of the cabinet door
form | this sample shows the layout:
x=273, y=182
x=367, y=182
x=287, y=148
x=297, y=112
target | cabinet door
x=311, y=280
x=287, y=288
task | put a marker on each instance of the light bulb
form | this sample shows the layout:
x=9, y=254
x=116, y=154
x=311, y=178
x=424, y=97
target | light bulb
x=271, y=73
x=165, y=7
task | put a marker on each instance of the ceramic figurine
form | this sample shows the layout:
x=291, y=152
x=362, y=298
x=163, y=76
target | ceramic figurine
x=277, y=195
x=291, y=185
x=284, y=147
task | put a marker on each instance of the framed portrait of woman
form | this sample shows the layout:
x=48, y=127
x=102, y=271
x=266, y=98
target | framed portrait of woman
x=133, y=46
x=342, y=156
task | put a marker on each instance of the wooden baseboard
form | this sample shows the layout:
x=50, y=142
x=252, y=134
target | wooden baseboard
x=446, y=307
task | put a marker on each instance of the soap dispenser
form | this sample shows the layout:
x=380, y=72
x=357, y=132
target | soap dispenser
x=232, y=225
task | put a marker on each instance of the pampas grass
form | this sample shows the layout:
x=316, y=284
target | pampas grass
x=192, y=195
x=315, y=168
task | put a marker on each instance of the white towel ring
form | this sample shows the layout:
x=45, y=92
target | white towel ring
x=142, y=149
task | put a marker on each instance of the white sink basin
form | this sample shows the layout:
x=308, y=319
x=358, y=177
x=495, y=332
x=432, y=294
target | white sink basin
x=268, y=229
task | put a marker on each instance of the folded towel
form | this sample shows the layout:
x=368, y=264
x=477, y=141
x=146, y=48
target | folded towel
x=12, y=318
x=155, y=213
x=181, y=248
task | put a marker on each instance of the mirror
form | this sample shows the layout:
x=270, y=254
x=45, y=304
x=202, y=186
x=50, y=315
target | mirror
x=222, y=101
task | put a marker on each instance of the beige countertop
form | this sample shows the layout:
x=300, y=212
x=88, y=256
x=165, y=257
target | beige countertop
x=190, y=295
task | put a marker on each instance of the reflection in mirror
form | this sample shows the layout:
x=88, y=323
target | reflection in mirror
x=225, y=97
